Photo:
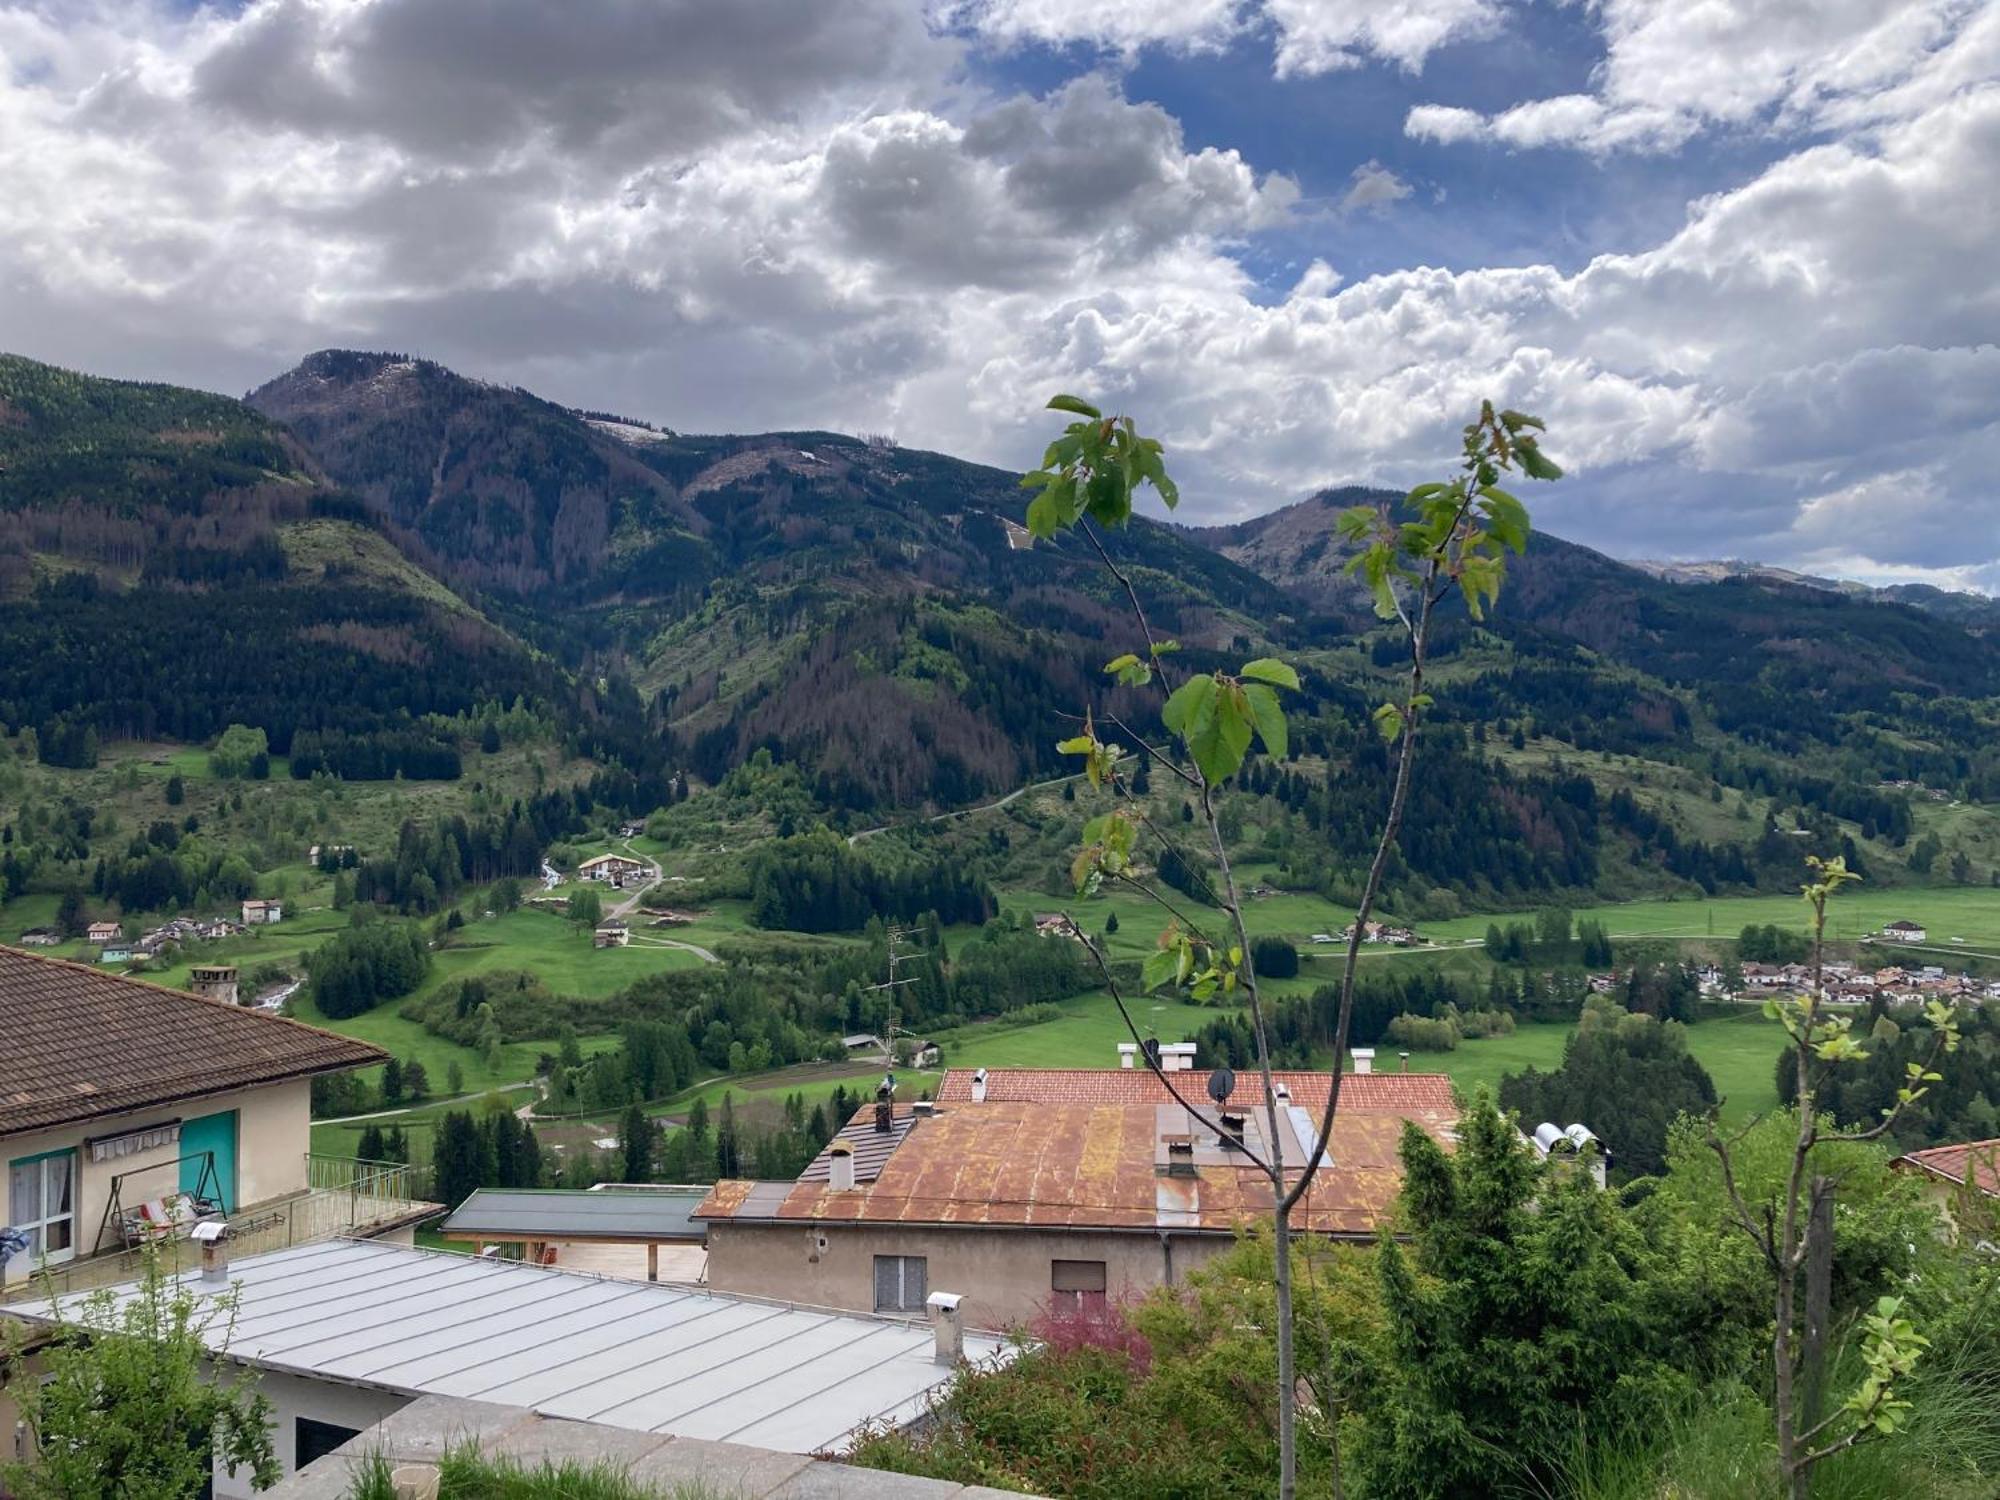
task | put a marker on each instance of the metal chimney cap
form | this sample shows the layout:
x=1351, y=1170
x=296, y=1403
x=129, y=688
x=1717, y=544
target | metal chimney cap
x=841, y=1148
x=946, y=1302
x=209, y=1231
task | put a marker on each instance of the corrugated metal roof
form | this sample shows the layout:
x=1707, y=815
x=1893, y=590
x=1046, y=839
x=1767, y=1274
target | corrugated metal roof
x=557, y=1214
x=1014, y=1164
x=872, y=1147
x=629, y=1354
x=1399, y=1093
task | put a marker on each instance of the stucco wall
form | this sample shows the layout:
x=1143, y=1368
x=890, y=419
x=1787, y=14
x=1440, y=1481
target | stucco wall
x=1003, y=1274
x=273, y=1134
x=294, y=1396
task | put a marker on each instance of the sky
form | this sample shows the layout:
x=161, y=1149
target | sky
x=1743, y=256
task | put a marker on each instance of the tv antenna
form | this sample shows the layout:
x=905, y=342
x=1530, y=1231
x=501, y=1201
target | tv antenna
x=897, y=957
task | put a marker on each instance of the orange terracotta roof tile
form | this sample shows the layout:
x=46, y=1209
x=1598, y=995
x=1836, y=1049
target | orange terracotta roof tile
x=77, y=1043
x=1976, y=1163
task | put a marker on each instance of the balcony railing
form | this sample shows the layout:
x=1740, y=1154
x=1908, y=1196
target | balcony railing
x=342, y=1196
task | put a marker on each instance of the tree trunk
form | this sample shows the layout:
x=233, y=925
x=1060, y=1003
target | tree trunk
x=1819, y=1310
x=1288, y=1403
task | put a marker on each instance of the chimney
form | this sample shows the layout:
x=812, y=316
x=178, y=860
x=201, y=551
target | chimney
x=949, y=1327
x=1180, y=1156
x=885, y=1105
x=840, y=1167
x=1364, y=1060
x=923, y=1109
x=214, y=982
x=1128, y=1053
x=213, y=1237
x=979, y=1087
x=1232, y=1130
x=1177, y=1057
x=1405, y=1060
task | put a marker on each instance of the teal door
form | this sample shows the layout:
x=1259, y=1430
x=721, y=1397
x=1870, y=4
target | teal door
x=217, y=1134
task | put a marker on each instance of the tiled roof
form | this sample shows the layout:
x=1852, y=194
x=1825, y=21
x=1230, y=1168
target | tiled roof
x=1018, y=1163
x=1395, y=1092
x=1974, y=1162
x=77, y=1043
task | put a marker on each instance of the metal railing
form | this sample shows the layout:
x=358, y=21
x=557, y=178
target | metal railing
x=341, y=1196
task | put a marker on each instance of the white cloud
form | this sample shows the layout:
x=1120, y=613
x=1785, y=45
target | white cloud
x=1672, y=69
x=1373, y=186
x=1308, y=36
x=876, y=247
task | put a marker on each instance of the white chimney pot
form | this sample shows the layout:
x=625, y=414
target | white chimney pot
x=1364, y=1059
x=840, y=1168
x=949, y=1326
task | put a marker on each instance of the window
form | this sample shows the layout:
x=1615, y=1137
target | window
x=314, y=1440
x=901, y=1283
x=41, y=1204
x=1076, y=1286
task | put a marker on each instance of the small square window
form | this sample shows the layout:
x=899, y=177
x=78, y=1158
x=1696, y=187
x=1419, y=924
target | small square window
x=902, y=1282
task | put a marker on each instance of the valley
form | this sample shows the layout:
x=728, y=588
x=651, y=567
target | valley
x=816, y=679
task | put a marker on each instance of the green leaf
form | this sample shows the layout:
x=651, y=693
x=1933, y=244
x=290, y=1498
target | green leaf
x=1269, y=718
x=1219, y=738
x=1269, y=669
x=1533, y=464
x=1074, y=404
x=1506, y=517
x=1192, y=701
x=1044, y=516
x=1162, y=648
x=1081, y=744
x=1159, y=968
x=1389, y=721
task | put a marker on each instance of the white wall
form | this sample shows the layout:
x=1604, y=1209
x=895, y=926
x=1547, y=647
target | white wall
x=295, y=1396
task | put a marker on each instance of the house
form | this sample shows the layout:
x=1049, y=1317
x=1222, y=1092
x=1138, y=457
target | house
x=40, y=937
x=260, y=913
x=1030, y=1188
x=602, y=1230
x=1576, y=1145
x=127, y=1110
x=115, y=953
x=1055, y=924
x=612, y=869
x=611, y=934
x=1953, y=1173
x=1903, y=932
x=862, y=1041
x=342, y=1335
x=103, y=932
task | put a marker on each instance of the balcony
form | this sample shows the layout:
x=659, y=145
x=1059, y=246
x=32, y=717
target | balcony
x=342, y=1197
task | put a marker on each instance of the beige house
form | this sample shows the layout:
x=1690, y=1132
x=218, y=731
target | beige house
x=128, y=1112
x=1028, y=1190
x=1963, y=1181
x=613, y=869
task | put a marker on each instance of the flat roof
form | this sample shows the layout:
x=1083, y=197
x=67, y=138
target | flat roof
x=645, y=1357
x=650, y=1217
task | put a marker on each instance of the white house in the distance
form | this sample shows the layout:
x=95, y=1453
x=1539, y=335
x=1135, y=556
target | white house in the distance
x=1903, y=932
x=613, y=869
x=259, y=913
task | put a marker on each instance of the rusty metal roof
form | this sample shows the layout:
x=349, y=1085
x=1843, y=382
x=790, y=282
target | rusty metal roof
x=1011, y=1163
x=77, y=1043
x=872, y=1147
x=1396, y=1092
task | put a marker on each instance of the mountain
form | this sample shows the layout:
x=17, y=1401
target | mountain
x=868, y=611
x=172, y=562
x=1979, y=612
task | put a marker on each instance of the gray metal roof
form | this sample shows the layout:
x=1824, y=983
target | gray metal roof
x=559, y=1214
x=650, y=1358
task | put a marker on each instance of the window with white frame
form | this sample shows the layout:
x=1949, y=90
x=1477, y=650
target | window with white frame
x=41, y=1205
x=901, y=1283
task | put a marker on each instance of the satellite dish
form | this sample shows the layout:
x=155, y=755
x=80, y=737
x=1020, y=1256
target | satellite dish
x=1221, y=1084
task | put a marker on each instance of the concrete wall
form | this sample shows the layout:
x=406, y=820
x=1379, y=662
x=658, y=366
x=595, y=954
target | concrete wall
x=1003, y=1274
x=295, y=1396
x=273, y=1134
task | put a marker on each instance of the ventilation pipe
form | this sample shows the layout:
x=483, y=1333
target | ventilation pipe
x=213, y=1237
x=979, y=1087
x=840, y=1167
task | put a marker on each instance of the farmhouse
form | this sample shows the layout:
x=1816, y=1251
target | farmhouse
x=612, y=869
x=611, y=934
x=1055, y=924
x=103, y=932
x=40, y=937
x=1903, y=932
x=261, y=913
x=1026, y=1188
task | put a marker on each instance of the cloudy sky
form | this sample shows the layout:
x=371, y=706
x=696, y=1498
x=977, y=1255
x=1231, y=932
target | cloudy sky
x=1743, y=255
